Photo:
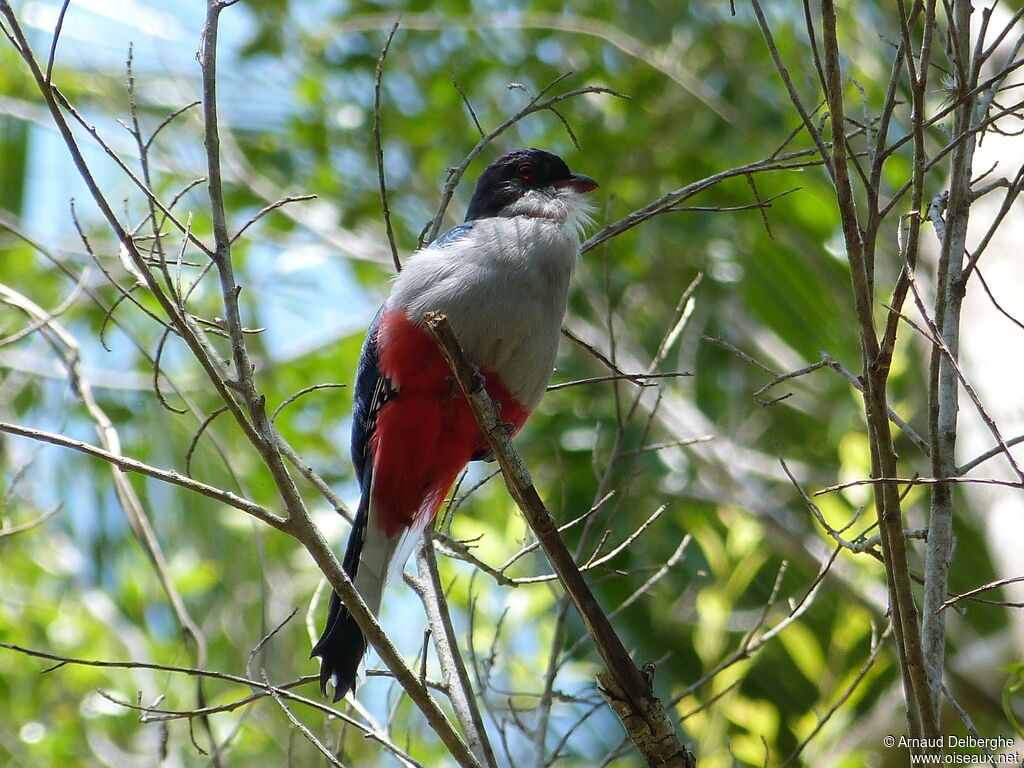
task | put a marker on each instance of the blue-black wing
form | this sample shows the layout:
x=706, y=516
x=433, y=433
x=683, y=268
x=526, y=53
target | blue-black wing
x=453, y=234
x=372, y=391
x=342, y=645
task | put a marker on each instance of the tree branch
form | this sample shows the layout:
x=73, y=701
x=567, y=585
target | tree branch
x=625, y=687
x=127, y=464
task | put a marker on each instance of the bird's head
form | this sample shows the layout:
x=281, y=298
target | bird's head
x=531, y=182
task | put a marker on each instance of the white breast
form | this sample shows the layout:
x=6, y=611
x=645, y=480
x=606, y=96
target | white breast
x=504, y=287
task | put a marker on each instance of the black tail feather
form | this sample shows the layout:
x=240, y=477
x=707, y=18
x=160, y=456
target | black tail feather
x=340, y=648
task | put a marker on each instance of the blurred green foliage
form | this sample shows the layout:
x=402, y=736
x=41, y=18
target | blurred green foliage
x=297, y=104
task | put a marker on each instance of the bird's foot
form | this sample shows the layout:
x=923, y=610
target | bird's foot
x=479, y=378
x=504, y=426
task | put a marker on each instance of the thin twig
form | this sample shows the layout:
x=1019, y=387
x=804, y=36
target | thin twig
x=299, y=725
x=455, y=676
x=56, y=36
x=978, y=590
x=267, y=209
x=533, y=106
x=304, y=391
x=883, y=481
x=876, y=646
x=379, y=148
x=168, y=476
x=16, y=529
x=637, y=378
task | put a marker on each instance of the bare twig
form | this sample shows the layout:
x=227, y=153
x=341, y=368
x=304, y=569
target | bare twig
x=666, y=203
x=168, y=476
x=304, y=391
x=267, y=209
x=379, y=148
x=998, y=450
x=534, y=105
x=933, y=335
x=640, y=379
x=299, y=725
x=16, y=529
x=756, y=637
x=56, y=36
x=978, y=590
x=455, y=676
x=921, y=481
x=877, y=644
x=68, y=351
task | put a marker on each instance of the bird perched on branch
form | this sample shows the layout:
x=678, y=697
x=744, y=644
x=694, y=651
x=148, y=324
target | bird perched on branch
x=502, y=279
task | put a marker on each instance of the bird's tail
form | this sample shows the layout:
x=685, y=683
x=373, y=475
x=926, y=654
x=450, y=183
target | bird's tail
x=341, y=646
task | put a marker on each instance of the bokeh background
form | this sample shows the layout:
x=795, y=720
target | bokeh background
x=296, y=105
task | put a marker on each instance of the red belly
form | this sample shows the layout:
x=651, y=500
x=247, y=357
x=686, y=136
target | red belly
x=427, y=433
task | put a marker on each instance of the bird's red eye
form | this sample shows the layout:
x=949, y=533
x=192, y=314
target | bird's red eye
x=527, y=172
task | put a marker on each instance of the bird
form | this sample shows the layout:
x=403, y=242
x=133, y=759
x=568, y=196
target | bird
x=502, y=279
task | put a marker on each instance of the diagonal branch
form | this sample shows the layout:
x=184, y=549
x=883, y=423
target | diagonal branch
x=625, y=687
x=127, y=464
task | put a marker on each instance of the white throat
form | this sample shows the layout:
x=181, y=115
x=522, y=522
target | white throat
x=563, y=205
